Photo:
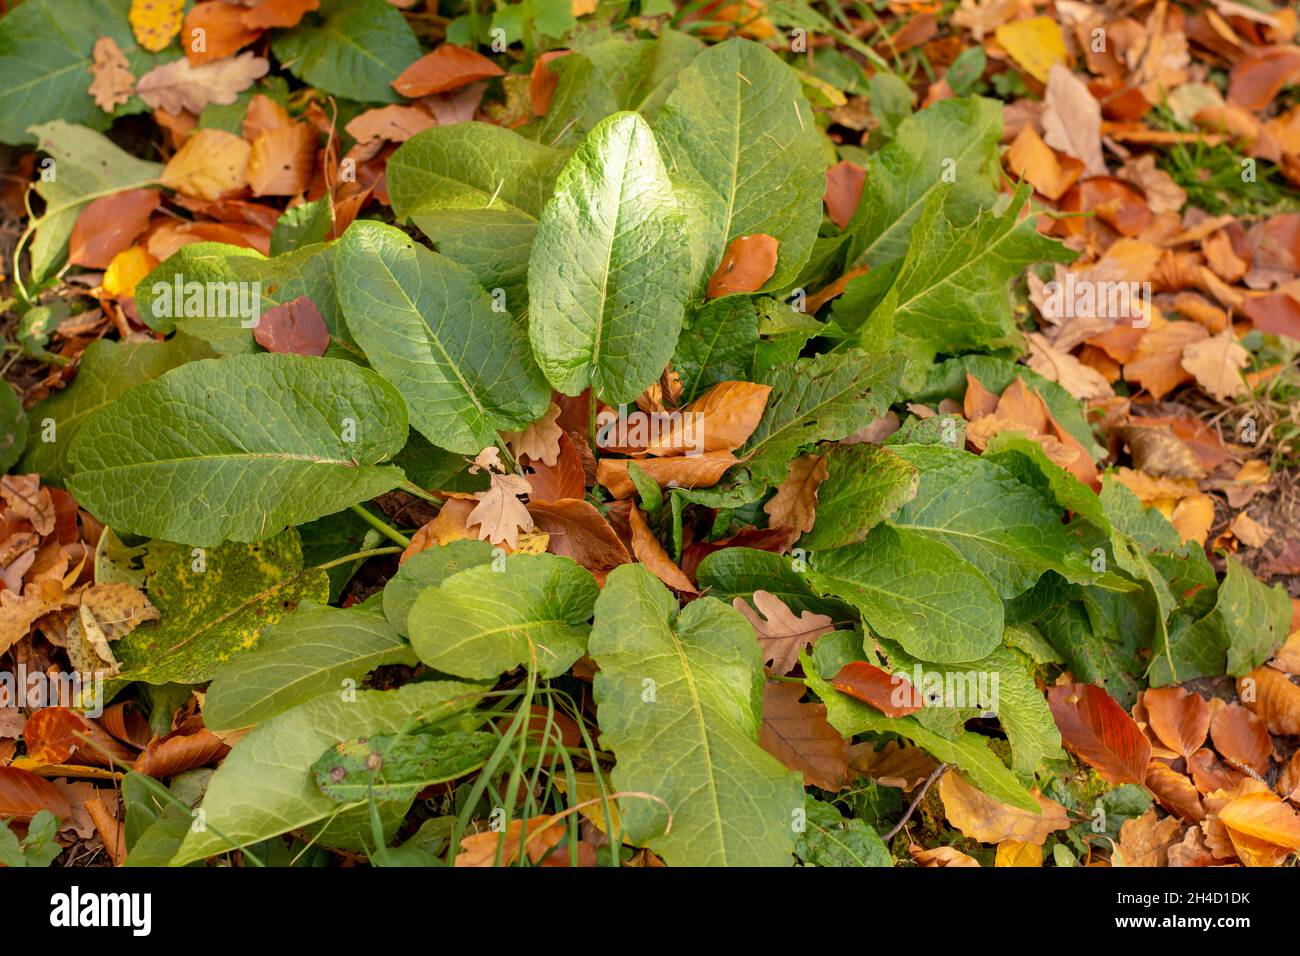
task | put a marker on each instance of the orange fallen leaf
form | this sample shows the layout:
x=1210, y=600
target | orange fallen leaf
x=449, y=67
x=109, y=225
x=690, y=471
x=795, y=503
x=278, y=13
x=651, y=553
x=127, y=268
x=1263, y=816
x=212, y=164
x=980, y=817
x=844, y=183
x=1099, y=732
x=577, y=530
x=539, y=836
x=1179, y=717
x=281, y=160
x=798, y=735
x=213, y=30
x=1273, y=698
x=891, y=694
x=746, y=265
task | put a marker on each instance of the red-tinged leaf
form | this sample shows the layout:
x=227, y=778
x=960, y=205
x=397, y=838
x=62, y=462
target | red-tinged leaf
x=447, y=68
x=892, y=695
x=56, y=735
x=1179, y=718
x=23, y=795
x=843, y=190
x=748, y=263
x=1100, y=733
x=1276, y=314
x=225, y=31
x=542, y=83
x=109, y=225
x=173, y=754
x=579, y=531
x=296, y=326
x=1209, y=775
x=278, y=13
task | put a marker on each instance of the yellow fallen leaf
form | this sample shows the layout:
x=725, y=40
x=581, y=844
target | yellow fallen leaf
x=210, y=165
x=1192, y=518
x=155, y=22
x=1018, y=853
x=1035, y=44
x=980, y=817
x=127, y=268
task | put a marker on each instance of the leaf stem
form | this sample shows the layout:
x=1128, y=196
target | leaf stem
x=358, y=556
x=411, y=488
x=383, y=527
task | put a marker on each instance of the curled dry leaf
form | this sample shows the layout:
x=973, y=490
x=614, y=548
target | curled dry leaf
x=540, y=441
x=23, y=795
x=891, y=694
x=112, y=80
x=980, y=817
x=109, y=225
x=651, y=553
x=1263, y=816
x=1179, y=717
x=1157, y=363
x=179, y=85
x=1079, y=380
x=577, y=530
x=746, y=265
x=1100, y=733
x=798, y=735
x=539, y=836
x=1032, y=160
x=1175, y=792
x=781, y=634
x=690, y=471
x=1193, y=517
x=1273, y=698
x=449, y=67
x=794, y=505
x=110, y=829
x=1209, y=774
x=178, y=752
x=211, y=164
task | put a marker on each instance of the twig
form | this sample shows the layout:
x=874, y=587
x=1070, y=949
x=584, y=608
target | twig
x=916, y=801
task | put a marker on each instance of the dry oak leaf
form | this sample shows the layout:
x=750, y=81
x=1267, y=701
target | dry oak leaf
x=107, y=613
x=113, y=82
x=747, y=264
x=278, y=13
x=296, y=326
x=980, y=817
x=1272, y=697
x=651, y=553
x=689, y=471
x=1145, y=841
x=499, y=513
x=798, y=735
x=540, y=440
x=1157, y=363
x=179, y=85
x=795, y=503
x=1081, y=381
x=1242, y=739
x=1072, y=120
x=577, y=530
x=480, y=849
x=449, y=67
x=781, y=634
x=282, y=160
x=1217, y=364
x=395, y=123
x=1192, y=851
x=155, y=22
x=109, y=225
x=1100, y=733
x=212, y=164
x=1263, y=816
x=214, y=29
x=26, y=499
x=1018, y=853
x=1180, y=718
x=844, y=183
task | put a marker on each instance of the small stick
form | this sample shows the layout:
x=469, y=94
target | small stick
x=916, y=801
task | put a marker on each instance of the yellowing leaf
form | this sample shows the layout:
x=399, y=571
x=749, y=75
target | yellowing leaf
x=1217, y=364
x=1034, y=44
x=127, y=268
x=155, y=22
x=980, y=817
x=211, y=164
x=1018, y=853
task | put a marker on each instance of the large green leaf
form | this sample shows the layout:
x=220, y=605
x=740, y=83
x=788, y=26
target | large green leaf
x=427, y=326
x=476, y=191
x=1010, y=531
x=680, y=701
x=864, y=485
x=214, y=603
x=820, y=399
x=953, y=141
x=398, y=767
x=309, y=653
x=106, y=371
x=607, y=280
x=482, y=622
x=917, y=591
x=718, y=347
x=86, y=166
x=264, y=787
x=830, y=839
x=427, y=569
x=738, y=131
x=238, y=448
x=738, y=572
x=354, y=49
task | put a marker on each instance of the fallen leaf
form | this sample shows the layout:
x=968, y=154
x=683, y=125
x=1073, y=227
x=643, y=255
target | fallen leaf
x=499, y=513
x=179, y=85
x=1072, y=119
x=1217, y=364
x=891, y=694
x=178, y=752
x=26, y=498
x=1270, y=696
x=577, y=530
x=1242, y=739
x=747, y=264
x=893, y=765
x=1175, y=792
x=395, y=123
x=844, y=182
x=540, y=441
x=1031, y=159
x=278, y=13
x=1193, y=517
x=1258, y=77
x=1035, y=44
x=1157, y=365
x=296, y=326
x=1067, y=371
x=112, y=81
x=109, y=225
x=565, y=479
x=1210, y=775
x=1179, y=717
x=282, y=160
x=1249, y=531
x=1145, y=840
x=23, y=795
x=212, y=164
x=798, y=735
x=795, y=503
x=449, y=67
x=689, y=471
x=539, y=836
x=449, y=525
x=940, y=856
x=1159, y=452
x=155, y=22
x=980, y=817
x=651, y=553
x=213, y=30
x=1100, y=733
x=1018, y=853
x=1263, y=816
x=111, y=831
x=781, y=634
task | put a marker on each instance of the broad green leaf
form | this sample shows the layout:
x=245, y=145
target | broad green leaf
x=13, y=429
x=738, y=130
x=155, y=827
x=1027, y=461
x=915, y=590
x=739, y=572
x=238, y=448
x=398, y=767
x=481, y=622
x=968, y=751
x=427, y=326
x=86, y=166
x=215, y=603
x=351, y=48
x=308, y=653
x=302, y=225
x=607, y=279
x=477, y=192
x=106, y=371
x=864, y=485
x=820, y=399
x=427, y=569
x=953, y=141
x=1126, y=513
x=831, y=839
x=679, y=694
x=264, y=787
x=718, y=347
x=1010, y=531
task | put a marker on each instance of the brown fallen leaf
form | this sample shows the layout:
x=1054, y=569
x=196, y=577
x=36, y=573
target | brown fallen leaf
x=577, y=530
x=499, y=514
x=940, y=856
x=565, y=479
x=109, y=225
x=1157, y=364
x=781, y=633
x=23, y=795
x=980, y=817
x=178, y=752
x=539, y=836
x=296, y=326
x=395, y=124
x=1100, y=733
x=1193, y=851
x=1242, y=739
x=689, y=471
x=747, y=264
x=26, y=498
x=213, y=30
x=1179, y=717
x=844, y=183
x=1249, y=531
x=893, y=765
x=1175, y=792
x=449, y=67
x=179, y=85
x=113, y=82
x=1157, y=451
x=651, y=553
x=539, y=441
x=282, y=160
x=1032, y=160
x=449, y=525
x=798, y=735
x=1072, y=119
x=1078, y=379
x=1263, y=816
x=211, y=164
x=110, y=829
x=794, y=505
x=1145, y=840
x=1269, y=695
x=1217, y=364
x=60, y=735
x=891, y=694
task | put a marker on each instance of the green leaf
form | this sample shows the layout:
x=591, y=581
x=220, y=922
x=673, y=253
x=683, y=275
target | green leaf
x=739, y=572
x=968, y=751
x=427, y=326
x=264, y=787
x=238, y=448
x=680, y=701
x=819, y=399
x=107, y=370
x=480, y=622
x=336, y=536
x=1027, y=461
x=607, y=279
x=308, y=653
x=864, y=485
x=214, y=604
x=302, y=225
x=1010, y=531
x=917, y=591
x=830, y=839
x=427, y=569
x=398, y=767
x=355, y=49
x=718, y=347
x=953, y=141
x=477, y=192
x=738, y=131
x=86, y=166
x=13, y=430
